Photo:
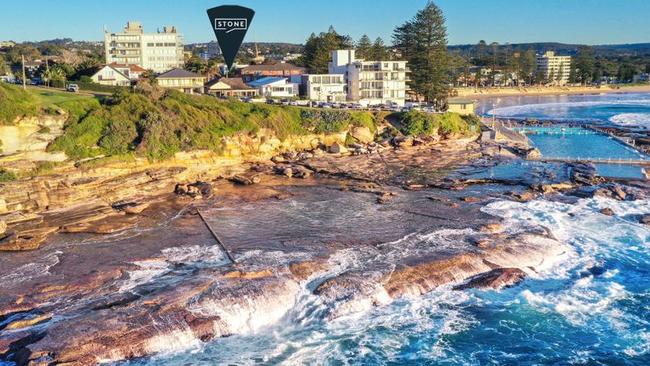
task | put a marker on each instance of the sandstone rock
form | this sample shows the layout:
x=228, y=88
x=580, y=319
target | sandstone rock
x=3, y=227
x=492, y=227
x=384, y=197
x=524, y=196
x=136, y=208
x=362, y=134
x=245, y=180
x=471, y=199
x=338, y=148
x=496, y=279
x=288, y=172
x=607, y=211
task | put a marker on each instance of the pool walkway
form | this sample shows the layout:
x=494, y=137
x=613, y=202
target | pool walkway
x=637, y=162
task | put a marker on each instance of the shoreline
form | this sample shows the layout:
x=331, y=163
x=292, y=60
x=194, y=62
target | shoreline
x=546, y=91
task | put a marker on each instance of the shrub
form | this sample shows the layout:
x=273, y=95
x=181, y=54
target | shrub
x=418, y=123
x=7, y=176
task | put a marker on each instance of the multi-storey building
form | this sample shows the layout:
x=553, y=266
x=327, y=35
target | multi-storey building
x=324, y=87
x=160, y=51
x=556, y=69
x=371, y=82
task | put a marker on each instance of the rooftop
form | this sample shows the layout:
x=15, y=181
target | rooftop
x=233, y=83
x=266, y=81
x=273, y=67
x=178, y=73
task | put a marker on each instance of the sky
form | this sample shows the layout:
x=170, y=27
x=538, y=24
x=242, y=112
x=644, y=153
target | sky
x=468, y=21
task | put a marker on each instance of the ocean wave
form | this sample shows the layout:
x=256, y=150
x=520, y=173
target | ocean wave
x=527, y=109
x=631, y=119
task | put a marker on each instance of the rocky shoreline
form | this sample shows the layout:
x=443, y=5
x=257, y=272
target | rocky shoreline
x=136, y=271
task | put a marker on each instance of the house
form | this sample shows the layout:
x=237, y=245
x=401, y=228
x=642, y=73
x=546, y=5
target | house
x=254, y=72
x=229, y=87
x=275, y=87
x=371, y=82
x=133, y=72
x=324, y=87
x=461, y=106
x=160, y=51
x=108, y=75
x=181, y=80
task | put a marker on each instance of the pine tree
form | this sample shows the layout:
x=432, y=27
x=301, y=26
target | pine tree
x=379, y=52
x=364, y=47
x=423, y=42
x=317, y=51
x=584, y=64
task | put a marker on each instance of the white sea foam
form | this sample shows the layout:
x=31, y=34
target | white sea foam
x=527, y=109
x=631, y=119
x=38, y=267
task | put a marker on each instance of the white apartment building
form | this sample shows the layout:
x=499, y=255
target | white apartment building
x=275, y=87
x=325, y=87
x=371, y=82
x=554, y=66
x=160, y=51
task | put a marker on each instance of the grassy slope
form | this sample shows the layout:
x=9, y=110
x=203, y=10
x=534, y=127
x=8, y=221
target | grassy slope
x=16, y=102
x=156, y=127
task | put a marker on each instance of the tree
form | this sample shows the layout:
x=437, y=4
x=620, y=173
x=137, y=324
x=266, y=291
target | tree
x=583, y=63
x=423, y=41
x=626, y=72
x=379, y=52
x=528, y=66
x=560, y=74
x=364, y=47
x=316, y=54
x=4, y=68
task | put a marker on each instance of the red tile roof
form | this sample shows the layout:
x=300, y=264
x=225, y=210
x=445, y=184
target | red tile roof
x=132, y=68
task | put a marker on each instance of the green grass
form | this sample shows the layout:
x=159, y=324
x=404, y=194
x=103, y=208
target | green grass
x=7, y=176
x=16, y=102
x=416, y=123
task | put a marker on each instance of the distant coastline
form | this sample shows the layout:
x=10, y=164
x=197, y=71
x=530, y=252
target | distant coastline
x=555, y=90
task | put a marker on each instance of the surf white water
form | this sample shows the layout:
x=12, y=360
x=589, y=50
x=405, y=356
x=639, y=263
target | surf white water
x=631, y=119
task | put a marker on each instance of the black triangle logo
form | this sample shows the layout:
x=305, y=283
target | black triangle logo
x=230, y=24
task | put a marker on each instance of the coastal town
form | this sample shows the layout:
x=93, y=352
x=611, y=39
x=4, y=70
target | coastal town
x=354, y=77
x=317, y=199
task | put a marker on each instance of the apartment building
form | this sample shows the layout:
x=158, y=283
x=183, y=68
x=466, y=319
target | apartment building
x=371, y=82
x=324, y=87
x=556, y=69
x=160, y=51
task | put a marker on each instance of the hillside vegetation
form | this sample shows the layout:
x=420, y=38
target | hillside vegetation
x=158, y=127
x=157, y=124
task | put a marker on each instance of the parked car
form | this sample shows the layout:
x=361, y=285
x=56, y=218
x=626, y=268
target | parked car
x=73, y=88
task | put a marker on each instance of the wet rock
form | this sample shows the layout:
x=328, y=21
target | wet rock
x=495, y=279
x=384, y=197
x=303, y=270
x=195, y=190
x=338, y=148
x=645, y=219
x=618, y=192
x=471, y=199
x=130, y=208
x=607, y=211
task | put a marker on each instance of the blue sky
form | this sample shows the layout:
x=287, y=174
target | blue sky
x=514, y=21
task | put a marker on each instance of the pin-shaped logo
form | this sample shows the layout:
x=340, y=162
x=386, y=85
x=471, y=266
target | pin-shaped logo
x=230, y=23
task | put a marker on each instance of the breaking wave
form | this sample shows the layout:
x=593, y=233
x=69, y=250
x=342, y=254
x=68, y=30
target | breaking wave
x=632, y=119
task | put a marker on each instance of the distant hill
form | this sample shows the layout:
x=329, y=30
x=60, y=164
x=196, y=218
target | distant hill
x=634, y=49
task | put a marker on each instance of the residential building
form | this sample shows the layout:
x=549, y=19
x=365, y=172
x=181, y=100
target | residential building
x=641, y=78
x=108, y=75
x=461, y=106
x=133, y=72
x=371, y=82
x=324, y=87
x=275, y=87
x=229, y=87
x=556, y=69
x=160, y=51
x=254, y=72
x=181, y=80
